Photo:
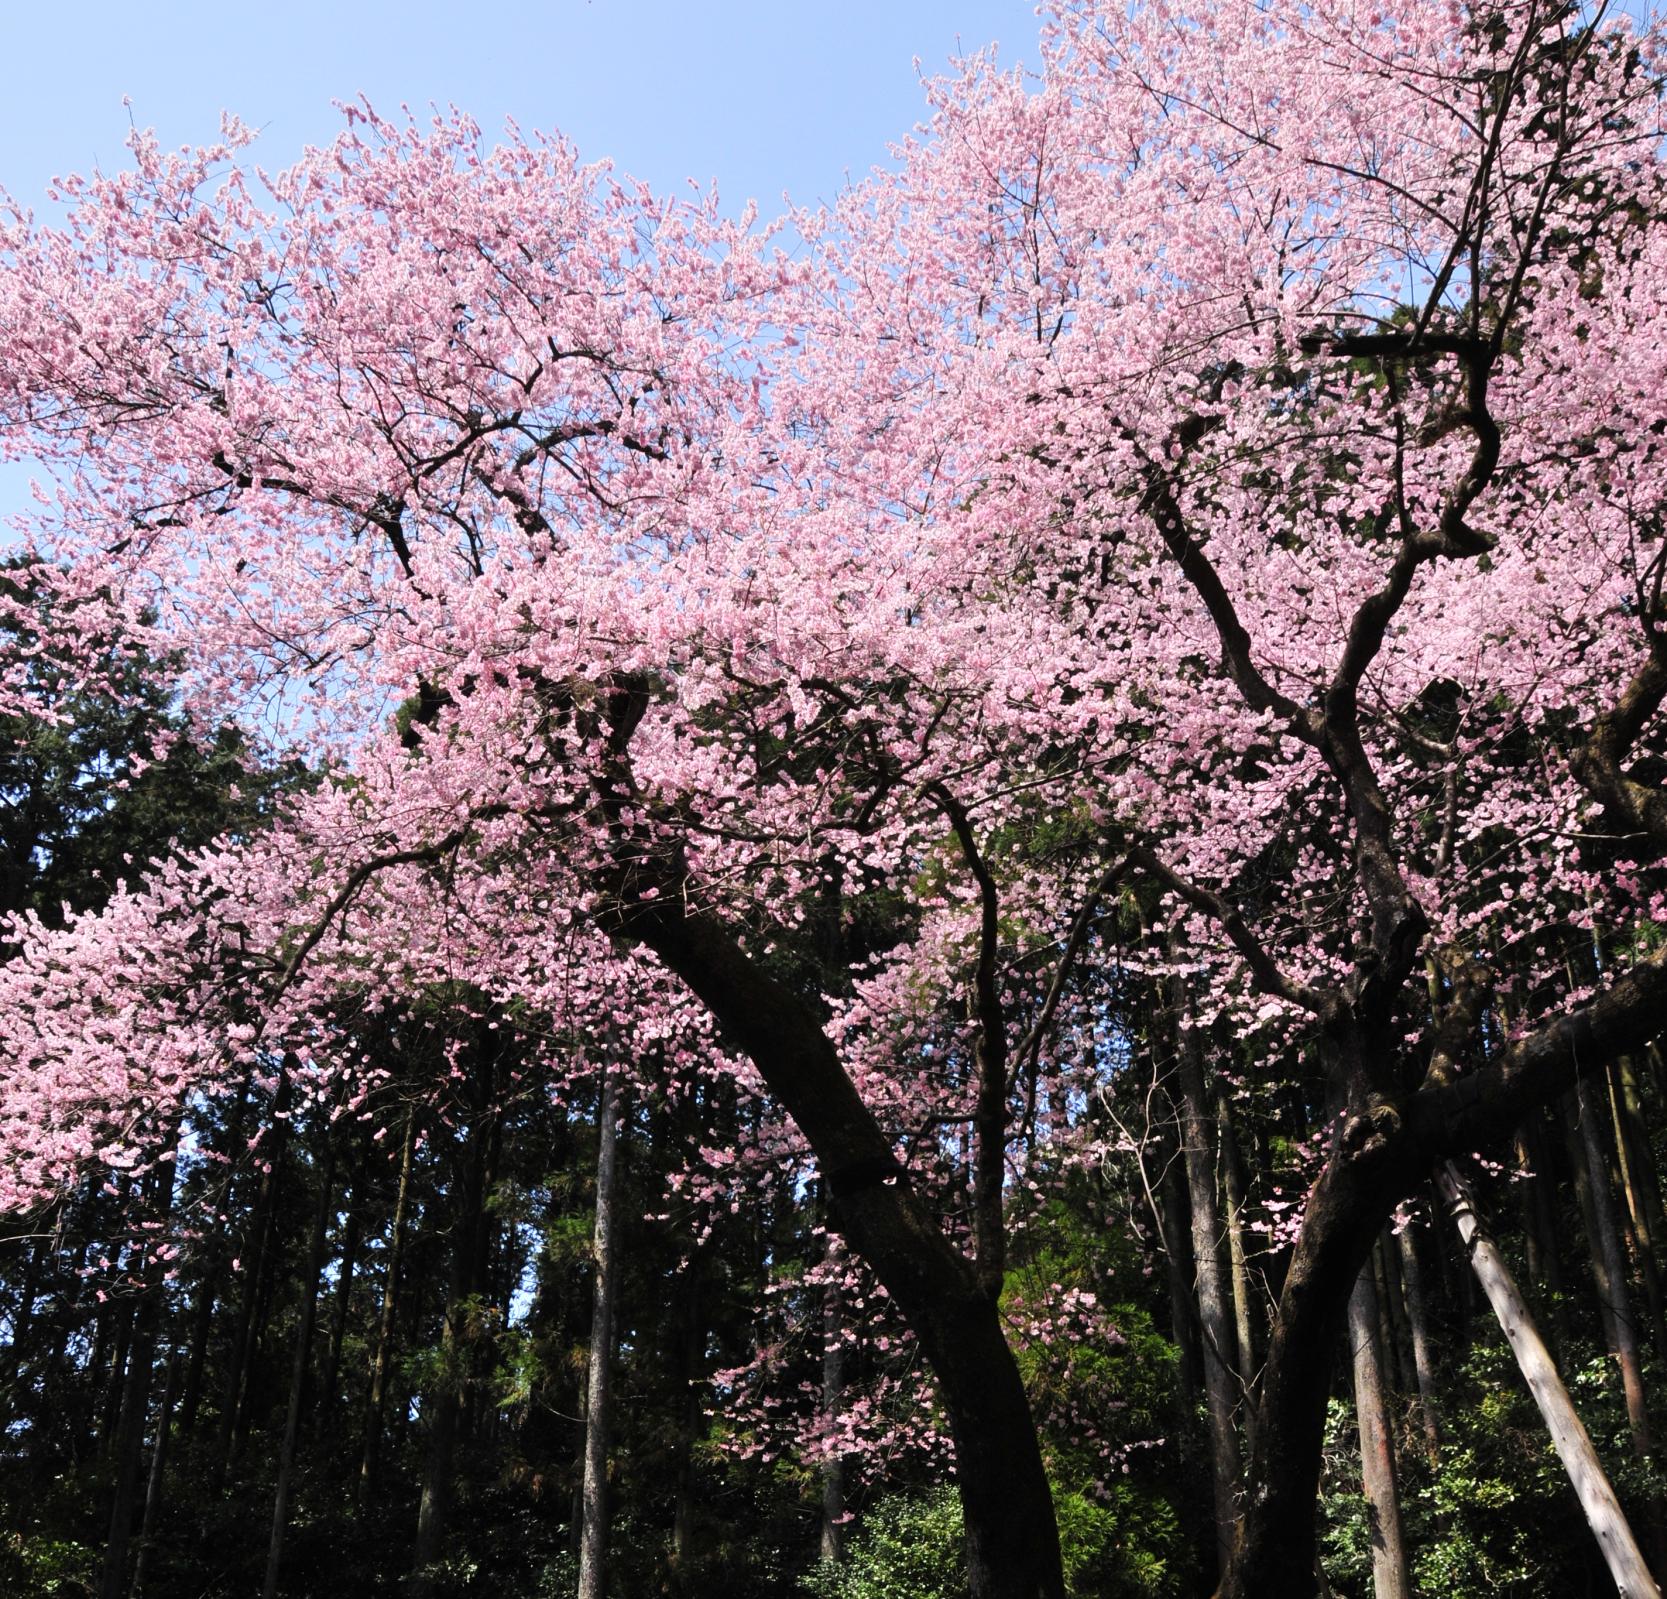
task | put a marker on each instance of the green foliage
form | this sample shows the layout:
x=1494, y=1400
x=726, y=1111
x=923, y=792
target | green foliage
x=906, y=1544
x=45, y=1566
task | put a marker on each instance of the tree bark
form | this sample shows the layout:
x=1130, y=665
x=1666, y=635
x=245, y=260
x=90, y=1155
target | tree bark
x=298, y=1370
x=1011, y=1540
x=1232, y=1187
x=833, y=1398
x=593, y=1537
x=383, y=1359
x=1390, y=1577
x=1220, y=1381
x=1423, y=1356
x=156, y=1476
x=1568, y=1434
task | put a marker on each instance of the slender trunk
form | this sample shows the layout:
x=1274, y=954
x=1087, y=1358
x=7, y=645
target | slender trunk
x=342, y=1304
x=1175, y=1228
x=247, y=1334
x=130, y=1431
x=1574, y=1447
x=129, y=1448
x=1232, y=1187
x=1608, y=1269
x=385, y=1329
x=443, y=1403
x=593, y=1538
x=1423, y=1356
x=833, y=1397
x=155, y=1478
x=1220, y=1382
x=298, y=1370
x=691, y=1361
x=1541, y=1228
x=1629, y=1160
x=1390, y=1578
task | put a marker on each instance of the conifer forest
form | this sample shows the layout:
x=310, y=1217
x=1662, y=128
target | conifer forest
x=960, y=895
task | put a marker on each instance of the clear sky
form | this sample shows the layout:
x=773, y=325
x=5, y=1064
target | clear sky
x=760, y=96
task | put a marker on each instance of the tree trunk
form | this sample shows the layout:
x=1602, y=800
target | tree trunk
x=1608, y=1267
x=1390, y=1578
x=1423, y=1357
x=1357, y=1190
x=443, y=1405
x=1574, y=1448
x=1232, y=1187
x=385, y=1329
x=298, y=1370
x=593, y=1537
x=1012, y=1543
x=1220, y=1381
x=1629, y=1157
x=155, y=1478
x=833, y=1397
x=342, y=1304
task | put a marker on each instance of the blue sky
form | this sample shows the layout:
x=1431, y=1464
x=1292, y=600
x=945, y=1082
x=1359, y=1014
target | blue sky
x=759, y=96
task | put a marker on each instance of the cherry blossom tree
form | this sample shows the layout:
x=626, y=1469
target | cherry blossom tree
x=1222, y=471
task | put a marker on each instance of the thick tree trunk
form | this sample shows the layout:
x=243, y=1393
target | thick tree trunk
x=298, y=1369
x=1363, y=1179
x=383, y=1359
x=1390, y=1577
x=1220, y=1381
x=1574, y=1448
x=1011, y=1540
x=593, y=1536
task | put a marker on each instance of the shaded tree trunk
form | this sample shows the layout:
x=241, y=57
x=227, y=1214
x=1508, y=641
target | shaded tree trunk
x=833, y=1397
x=1390, y=1578
x=157, y=1476
x=383, y=1359
x=593, y=1537
x=298, y=1369
x=1423, y=1356
x=1220, y=1381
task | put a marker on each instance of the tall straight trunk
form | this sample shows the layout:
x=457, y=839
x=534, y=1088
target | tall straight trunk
x=593, y=1536
x=298, y=1369
x=1568, y=1434
x=445, y=1404
x=1390, y=1576
x=155, y=1478
x=1220, y=1380
x=691, y=1363
x=1540, y=1227
x=1423, y=1355
x=247, y=1334
x=343, y=1298
x=383, y=1359
x=1608, y=1267
x=1232, y=1188
x=141, y=1359
x=1175, y=1228
x=833, y=1399
x=130, y=1446
x=1629, y=1158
